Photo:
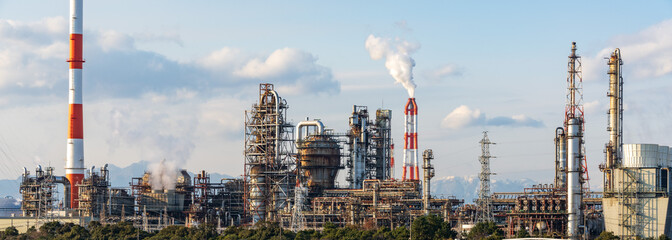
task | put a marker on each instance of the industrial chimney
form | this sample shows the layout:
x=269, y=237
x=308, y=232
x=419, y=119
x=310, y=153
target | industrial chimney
x=411, y=140
x=74, y=165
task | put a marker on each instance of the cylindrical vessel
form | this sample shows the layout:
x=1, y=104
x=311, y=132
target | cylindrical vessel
x=573, y=177
x=320, y=160
x=669, y=158
x=258, y=187
x=640, y=155
x=74, y=165
x=662, y=155
x=561, y=158
x=614, y=109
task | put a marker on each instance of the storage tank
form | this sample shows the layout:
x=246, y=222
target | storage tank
x=640, y=155
x=662, y=155
x=319, y=156
x=669, y=157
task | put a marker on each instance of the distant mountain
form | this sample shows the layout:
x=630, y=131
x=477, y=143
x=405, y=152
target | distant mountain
x=10, y=187
x=467, y=187
x=461, y=187
x=121, y=177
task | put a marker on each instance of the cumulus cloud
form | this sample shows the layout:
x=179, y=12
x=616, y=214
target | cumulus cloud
x=32, y=61
x=28, y=50
x=647, y=53
x=464, y=116
x=297, y=69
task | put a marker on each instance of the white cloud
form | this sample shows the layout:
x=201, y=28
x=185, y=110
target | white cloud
x=113, y=40
x=593, y=107
x=32, y=61
x=646, y=54
x=443, y=72
x=464, y=116
x=293, y=70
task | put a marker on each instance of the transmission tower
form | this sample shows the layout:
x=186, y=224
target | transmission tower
x=484, y=213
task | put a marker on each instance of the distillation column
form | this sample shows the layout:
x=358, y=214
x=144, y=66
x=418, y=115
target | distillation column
x=613, y=149
x=560, y=158
x=74, y=165
x=428, y=168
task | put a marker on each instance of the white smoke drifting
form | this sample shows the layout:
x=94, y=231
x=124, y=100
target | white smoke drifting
x=163, y=175
x=398, y=61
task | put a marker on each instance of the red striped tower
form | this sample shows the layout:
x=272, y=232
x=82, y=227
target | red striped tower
x=74, y=165
x=411, y=140
x=391, y=161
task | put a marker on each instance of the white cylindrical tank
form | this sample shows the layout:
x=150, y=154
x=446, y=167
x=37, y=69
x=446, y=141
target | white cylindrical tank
x=662, y=155
x=640, y=155
x=669, y=158
x=573, y=178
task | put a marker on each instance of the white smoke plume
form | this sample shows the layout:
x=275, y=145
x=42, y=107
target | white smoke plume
x=163, y=175
x=398, y=61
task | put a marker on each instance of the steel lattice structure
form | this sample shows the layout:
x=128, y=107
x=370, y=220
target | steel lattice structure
x=484, y=213
x=269, y=162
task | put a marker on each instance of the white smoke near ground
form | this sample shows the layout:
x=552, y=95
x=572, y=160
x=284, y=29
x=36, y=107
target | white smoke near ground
x=163, y=175
x=398, y=61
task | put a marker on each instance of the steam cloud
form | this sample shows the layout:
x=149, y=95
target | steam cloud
x=398, y=61
x=163, y=175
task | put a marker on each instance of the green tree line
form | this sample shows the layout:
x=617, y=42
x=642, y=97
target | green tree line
x=423, y=228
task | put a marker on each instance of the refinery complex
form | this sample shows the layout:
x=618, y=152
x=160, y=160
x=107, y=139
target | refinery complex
x=291, y=169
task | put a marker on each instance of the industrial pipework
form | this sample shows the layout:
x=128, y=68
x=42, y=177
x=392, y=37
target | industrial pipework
x=614, y=152
x=411, y=140
x=74, y=165
x=427, y=166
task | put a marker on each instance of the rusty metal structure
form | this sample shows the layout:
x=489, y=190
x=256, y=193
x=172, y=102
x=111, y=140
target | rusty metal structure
x=219, y=203
x=94, y=193
x=270, y=168
x=39, y=192
x=388, y=203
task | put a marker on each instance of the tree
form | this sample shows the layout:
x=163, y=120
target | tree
x=606, y=236
x=431, y=227
x=522, y=233
x=663, y=237
x=11, y=231
x=485, y=230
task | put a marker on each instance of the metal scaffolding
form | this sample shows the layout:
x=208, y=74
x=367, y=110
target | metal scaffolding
x=269, y=163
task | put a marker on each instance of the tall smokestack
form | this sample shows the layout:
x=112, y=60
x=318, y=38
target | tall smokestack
x=411, y=140
x=74, y=165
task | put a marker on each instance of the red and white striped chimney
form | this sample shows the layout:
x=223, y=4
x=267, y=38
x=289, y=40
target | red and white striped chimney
x=411, y=140
x=391, y=161
x=74, y=165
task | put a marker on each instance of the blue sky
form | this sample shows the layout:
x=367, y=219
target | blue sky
x=171, y=79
